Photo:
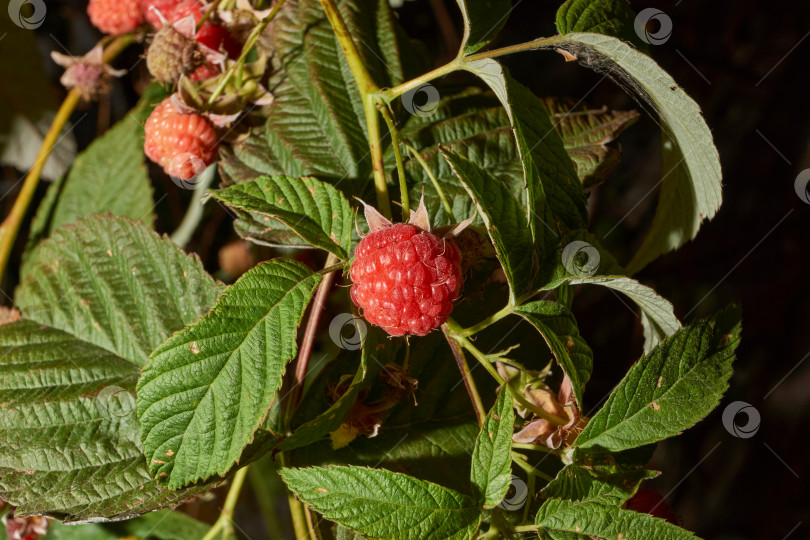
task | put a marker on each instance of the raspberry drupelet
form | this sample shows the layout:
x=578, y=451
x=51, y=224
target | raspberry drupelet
x=405, y=279
x=115, y=17
x=182, y=143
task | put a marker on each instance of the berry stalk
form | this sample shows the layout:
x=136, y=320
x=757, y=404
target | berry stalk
x=11, y=225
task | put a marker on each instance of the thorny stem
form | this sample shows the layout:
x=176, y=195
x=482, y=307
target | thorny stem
x=403, y=184
x=433, y=180
x=454, y=330
x=11, y=225
x=466, y=376
x=389, y=94
x=250, y=42
x=307, y=342
x=223, y=523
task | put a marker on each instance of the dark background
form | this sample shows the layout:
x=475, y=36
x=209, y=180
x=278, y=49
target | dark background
x=746, y=64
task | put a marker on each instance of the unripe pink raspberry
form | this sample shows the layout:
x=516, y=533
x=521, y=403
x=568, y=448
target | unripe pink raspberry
x=115, y=16
x=405, y=279
x=182, y=143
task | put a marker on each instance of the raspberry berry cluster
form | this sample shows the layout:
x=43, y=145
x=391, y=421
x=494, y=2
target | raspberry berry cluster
x=404, y=278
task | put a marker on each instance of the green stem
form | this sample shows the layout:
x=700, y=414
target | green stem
x=223, y=523
x=433, y=180
x=11, y=225
x=375, y=145
x=520, y=461
x=530, y=486
x=454, y=330
x=538, y=447
x=389, y=94
x=194, y=214
x=368, y=92
x=298, y=517
x=492, y=319
x=403, y=184
x=248, y=46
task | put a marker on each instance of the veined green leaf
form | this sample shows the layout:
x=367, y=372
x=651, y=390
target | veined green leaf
x=668, y=390
x=691, y=179
x=97, y=295
x=504, y=221
x=382, y=504
x=116, y=285
x=110, y=176
x=559, y=328
x=597, y=520
x=473, y=125
x=316, y=125
x=556, y=200
x=207, y=389
x=586, y=134
x=491, y=471
x=610, y=17
x=575, y=483
x=314, y=210
x=482, y=22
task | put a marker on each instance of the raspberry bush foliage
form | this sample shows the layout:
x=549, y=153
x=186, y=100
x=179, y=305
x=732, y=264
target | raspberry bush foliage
x=424, y=221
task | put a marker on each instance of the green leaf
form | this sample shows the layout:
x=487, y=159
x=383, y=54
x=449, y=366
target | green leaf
x=668, y=390
x=608, y=522
x=586, y=134
x=110, y=176
x=504, y=221
x=331, y=419
x=161, y=525
x=558, y=327
x=556, y=200
x=482, y=22
x=657, y=314
x=491, y=471
x=114, y=284
x=611, y=17
x=473, y=125
x=575, y=483
x=316, y=125
x=314, y=210
x=691, y=180
x=382, y=504
x=207, y=389
x=98, y=294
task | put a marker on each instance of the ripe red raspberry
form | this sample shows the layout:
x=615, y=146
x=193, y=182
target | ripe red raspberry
x=405, y=279
x=182, y=143
x=115, y=16
x=215, y=36
x=648, y=501
x=172, y=10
